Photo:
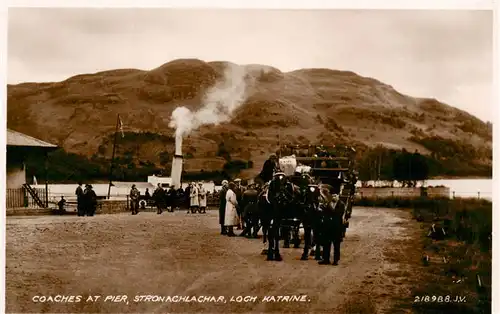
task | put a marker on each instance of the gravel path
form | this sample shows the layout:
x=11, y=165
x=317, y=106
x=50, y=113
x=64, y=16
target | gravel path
x=180, y=254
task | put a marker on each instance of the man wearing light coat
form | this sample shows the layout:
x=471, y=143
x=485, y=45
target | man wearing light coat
x=231, y=214
x=202, y=196
x=222, y=207
x=194, y=202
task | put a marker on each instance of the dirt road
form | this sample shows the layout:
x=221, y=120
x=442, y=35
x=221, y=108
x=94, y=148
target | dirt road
x=184, y=255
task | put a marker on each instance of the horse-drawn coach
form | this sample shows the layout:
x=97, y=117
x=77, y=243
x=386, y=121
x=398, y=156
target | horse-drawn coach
x=309, y=185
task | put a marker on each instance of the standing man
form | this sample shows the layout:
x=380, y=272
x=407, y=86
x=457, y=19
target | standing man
x=333, y=228
x=179, y=198
x=222, y=206
x=134, y=199
x=79, y=200
x=187, y=197
x=170, y=198
x=202, y=198
x=238, y=190
x=231, y=215
x=158, y=197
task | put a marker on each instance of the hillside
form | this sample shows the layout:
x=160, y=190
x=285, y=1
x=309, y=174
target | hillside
x=305, y=106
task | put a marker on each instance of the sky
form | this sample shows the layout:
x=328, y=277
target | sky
x=442, y=54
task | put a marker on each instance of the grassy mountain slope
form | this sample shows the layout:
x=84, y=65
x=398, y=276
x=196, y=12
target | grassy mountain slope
x=305, y=106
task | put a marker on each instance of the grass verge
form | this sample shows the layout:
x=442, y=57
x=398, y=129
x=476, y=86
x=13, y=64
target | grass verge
x=451, y=270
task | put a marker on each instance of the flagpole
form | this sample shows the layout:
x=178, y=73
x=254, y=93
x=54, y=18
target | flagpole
x=113, y=156
x=279, y=142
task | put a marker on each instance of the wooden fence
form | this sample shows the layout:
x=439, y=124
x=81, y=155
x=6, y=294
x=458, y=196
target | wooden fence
x=15, y=198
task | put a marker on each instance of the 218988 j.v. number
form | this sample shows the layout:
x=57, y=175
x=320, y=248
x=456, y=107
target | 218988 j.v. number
x=440, y=299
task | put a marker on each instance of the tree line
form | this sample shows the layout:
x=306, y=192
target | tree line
x=447, y=158
x=384, y=164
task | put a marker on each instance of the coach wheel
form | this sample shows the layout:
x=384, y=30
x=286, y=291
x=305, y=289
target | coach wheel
x=142, y=204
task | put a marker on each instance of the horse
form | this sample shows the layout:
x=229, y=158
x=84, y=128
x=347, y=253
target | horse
x=276, y=205
x=250, y=212
x=311, y=219
x=298, y=211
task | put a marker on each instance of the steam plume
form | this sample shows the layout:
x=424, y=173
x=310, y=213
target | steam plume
x=219, y=104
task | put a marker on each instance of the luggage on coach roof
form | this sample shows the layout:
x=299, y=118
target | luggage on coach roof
x=288, y=164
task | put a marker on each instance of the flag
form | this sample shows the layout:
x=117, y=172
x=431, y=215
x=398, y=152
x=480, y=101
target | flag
x=34, y=181
x=120, y=125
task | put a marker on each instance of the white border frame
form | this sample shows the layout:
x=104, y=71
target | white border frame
x=265, y=4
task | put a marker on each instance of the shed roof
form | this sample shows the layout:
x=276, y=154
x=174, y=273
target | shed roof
x=19, y=139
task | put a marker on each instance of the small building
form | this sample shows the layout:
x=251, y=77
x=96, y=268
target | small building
x=20, y=147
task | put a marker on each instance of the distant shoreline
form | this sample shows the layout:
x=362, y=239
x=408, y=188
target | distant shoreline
x=460, y=178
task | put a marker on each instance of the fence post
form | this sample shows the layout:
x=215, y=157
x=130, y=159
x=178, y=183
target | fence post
x=478, y=194
x=453, y=194
x=127, y=204
x=25, y=197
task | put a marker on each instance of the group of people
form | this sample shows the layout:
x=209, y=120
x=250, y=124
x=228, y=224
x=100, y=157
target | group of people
x=86, y=200
x=197, y=198
x=194, y=198
x=164, y=199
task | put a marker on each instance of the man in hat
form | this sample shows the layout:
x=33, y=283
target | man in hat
x=90, y=200
x=202, y=198
x=222, y=206
x=158, y=196
x=187, y=197
x=134, y=200
x=170, y=198
x=79, y=200
x=333, y=229
x=179, y=198
x=231, y=215
x=238, y=190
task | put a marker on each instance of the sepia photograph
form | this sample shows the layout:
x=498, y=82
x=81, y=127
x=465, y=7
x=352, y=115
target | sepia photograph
x=210, y=160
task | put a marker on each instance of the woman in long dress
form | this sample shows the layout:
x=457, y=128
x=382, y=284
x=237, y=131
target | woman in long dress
x=231, y=215
x=202, y=197
x=194, y=203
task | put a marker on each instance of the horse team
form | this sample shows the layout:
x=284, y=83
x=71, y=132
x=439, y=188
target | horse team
x=280, y=206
